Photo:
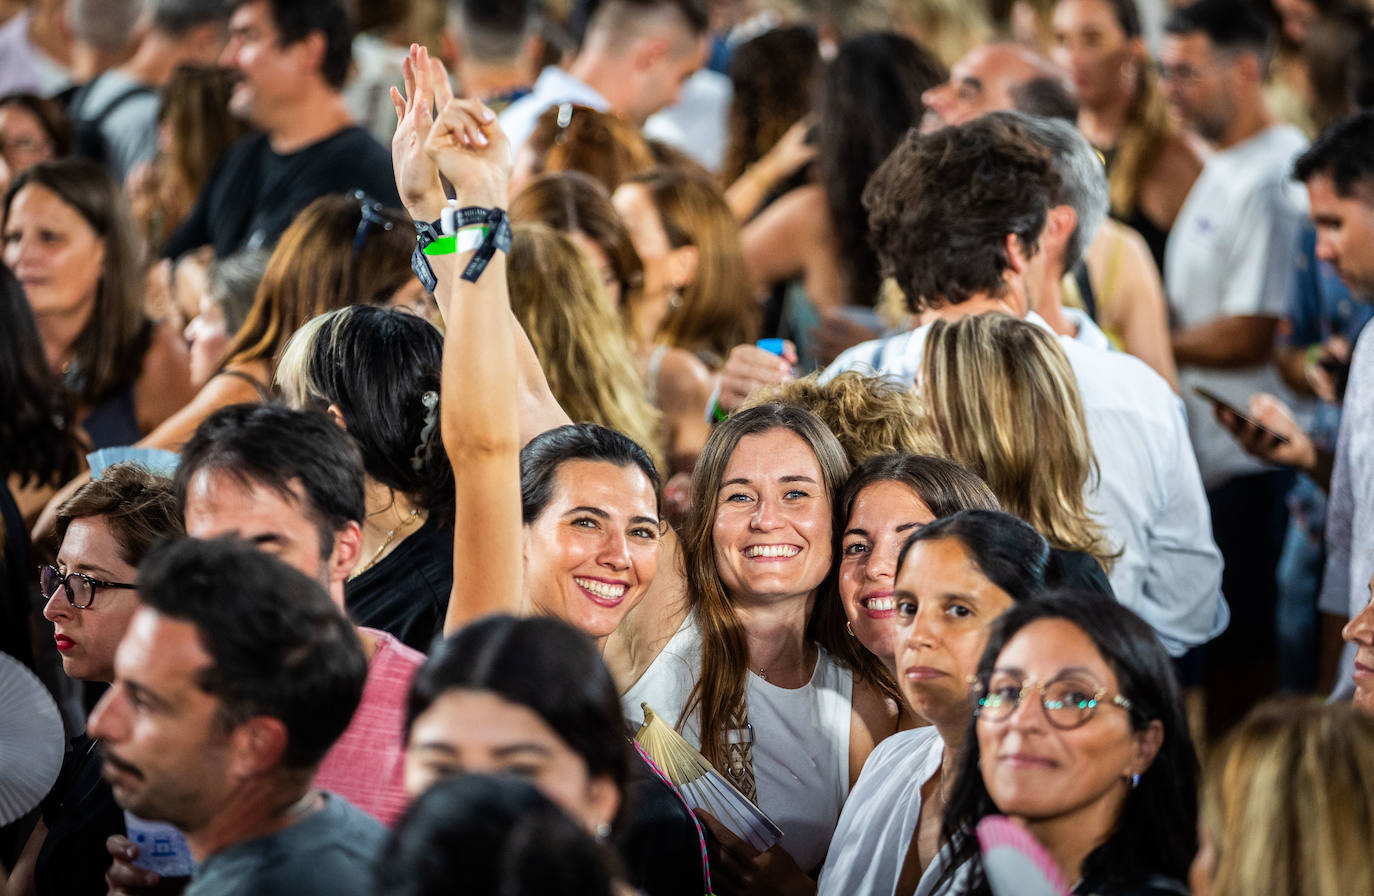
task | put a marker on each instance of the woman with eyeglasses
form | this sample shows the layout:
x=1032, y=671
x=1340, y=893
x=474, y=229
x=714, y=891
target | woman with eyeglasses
x=954, y=578
x=105, y=530
x=1079, y=735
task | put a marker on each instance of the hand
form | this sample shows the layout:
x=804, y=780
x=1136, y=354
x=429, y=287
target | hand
x=746, y=871
x=749, y=368
x=838, y=330
x=1322, y=380
x=417, y=177
x=789, y=154
x=1271, y=413
x=123, y=878
x=471, y=151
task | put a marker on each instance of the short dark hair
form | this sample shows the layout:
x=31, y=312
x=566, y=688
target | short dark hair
x=274, y=446
x=494, y=32
x=1157, y=831
x=1360, y=71
x=496, y=833
x=618, y=14
x=1231, y=26
x=1046, y=97
x=139, y=507
x=295, y=19
x=543, y=455
x=278, y=645
x=940, y=208
x=544, y=665
x=1345, y=153
x=177, y=17
x=1006, y=550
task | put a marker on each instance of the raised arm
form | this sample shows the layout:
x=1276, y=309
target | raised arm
x=479, y=413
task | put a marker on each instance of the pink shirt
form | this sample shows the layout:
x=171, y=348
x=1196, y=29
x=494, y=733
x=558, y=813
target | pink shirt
x=366, y=765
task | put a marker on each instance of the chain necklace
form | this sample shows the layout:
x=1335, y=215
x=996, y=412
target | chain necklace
x=386, y=542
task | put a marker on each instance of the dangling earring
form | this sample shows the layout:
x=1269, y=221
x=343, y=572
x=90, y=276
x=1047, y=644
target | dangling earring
x=849, y=626
x=674, y=298
x=603, y=830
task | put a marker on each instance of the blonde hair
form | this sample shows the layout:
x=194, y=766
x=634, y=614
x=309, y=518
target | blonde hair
x=950, y=28
x=869, y=415
x=1287, y=802
x=578, y=336
x=1001, y=399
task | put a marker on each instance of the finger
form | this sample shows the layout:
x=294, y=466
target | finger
x=399, y=102
x=443, y=91
x=408, y=73
x=121, y=847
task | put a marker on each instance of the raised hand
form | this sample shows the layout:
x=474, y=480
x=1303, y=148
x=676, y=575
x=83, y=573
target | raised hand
x=417, y=177
x=471, y=152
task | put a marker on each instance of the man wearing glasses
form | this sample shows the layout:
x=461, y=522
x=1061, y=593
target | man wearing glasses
x=105, y=530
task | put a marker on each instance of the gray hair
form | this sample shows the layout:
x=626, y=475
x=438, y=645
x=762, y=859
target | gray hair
x=176, y=17
x=1082, y=178
x=107, y=25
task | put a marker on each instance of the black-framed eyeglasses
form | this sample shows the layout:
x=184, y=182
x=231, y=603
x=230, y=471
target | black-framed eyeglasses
x=80, y=588
x=1068, y=702
x=371, y=213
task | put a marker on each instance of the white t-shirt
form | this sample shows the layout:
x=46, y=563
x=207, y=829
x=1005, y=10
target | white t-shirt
x=1230, y=253
x=801, y=737
x=874, y=834
x=1150, y=499
x=553, y=86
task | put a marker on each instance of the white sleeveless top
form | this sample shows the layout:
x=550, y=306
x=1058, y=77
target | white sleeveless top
x=801, y=737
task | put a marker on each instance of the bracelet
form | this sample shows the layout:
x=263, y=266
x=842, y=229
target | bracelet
x=484, y=229
x=465, y=240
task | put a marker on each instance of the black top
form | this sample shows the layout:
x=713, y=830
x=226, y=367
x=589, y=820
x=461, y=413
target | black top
x=253, y=193
x=1154, y=885
x=16, y=581
x=1155, y=237
x=1077, y=571
x=80, y=813
x=406, y=593
x=657, y=840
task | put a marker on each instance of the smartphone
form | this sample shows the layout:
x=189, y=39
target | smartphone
x=1217, y=400
x=1339, y=371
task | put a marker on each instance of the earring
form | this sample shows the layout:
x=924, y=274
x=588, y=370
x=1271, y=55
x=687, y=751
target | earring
x=849, y=627
x=1135, y=780
x=603, y=830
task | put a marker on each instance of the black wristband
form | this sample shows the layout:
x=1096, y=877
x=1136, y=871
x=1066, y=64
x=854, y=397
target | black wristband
x=497, y=223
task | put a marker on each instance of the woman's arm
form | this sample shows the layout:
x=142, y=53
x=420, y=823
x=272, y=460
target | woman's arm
x=219, y=391
x=1133, y=298
x=164, y=385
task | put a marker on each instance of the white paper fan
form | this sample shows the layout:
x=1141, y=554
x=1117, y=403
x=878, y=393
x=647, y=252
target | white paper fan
x=31, y=740
x=1014, y=861
x=703, y=787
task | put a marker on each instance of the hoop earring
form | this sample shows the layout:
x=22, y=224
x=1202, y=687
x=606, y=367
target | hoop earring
x=849, y=627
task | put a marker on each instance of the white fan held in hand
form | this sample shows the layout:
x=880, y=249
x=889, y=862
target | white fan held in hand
x=701, y=786
x=31, y=740
x=1015, y=863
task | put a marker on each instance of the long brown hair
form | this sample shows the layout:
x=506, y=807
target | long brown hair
x=608, y=148
x=718, y=310
x=195, y=107
x=114, y=339
x=315, y=269
x=719, y=692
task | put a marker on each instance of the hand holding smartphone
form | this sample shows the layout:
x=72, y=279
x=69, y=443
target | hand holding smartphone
x=1245, y=418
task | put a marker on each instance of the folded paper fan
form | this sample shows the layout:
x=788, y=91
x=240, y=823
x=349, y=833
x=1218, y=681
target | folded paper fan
x=1015, y=862
x=154, y=460
x=703, y=787
x=31, y=740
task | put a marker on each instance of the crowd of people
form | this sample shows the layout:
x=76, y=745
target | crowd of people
x=947, y=418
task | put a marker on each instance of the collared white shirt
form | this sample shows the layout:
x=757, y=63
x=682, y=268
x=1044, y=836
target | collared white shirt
x=1149, y=499
x=553, y=86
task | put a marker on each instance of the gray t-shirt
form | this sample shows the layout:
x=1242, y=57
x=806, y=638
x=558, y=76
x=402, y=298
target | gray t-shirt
x=130, y=124
x=329, y=852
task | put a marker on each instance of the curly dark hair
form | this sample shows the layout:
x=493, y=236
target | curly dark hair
x=774, y=77
x=941, y=206
x=870, y=97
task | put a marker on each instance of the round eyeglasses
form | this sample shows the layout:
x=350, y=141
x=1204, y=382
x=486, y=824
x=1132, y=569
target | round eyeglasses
x=80, y=588
x=1067, y=702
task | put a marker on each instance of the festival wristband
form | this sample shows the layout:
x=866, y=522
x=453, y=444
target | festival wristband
x=464, y=240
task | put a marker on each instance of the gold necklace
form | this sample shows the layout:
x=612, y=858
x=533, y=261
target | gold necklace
x=386, y=542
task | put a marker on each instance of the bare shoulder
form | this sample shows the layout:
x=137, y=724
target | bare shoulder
x=647, y=629
x=218, y=392
x=163, y=386
x=873, y=718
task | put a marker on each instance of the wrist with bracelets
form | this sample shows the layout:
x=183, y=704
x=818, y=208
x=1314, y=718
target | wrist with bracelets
x=485, y=230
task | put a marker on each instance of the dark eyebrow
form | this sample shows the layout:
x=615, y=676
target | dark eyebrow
x=587, y=508
x=855, y=531
x=441, y=746
x=506, y=751
x=970, y=81
x=266, y=538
